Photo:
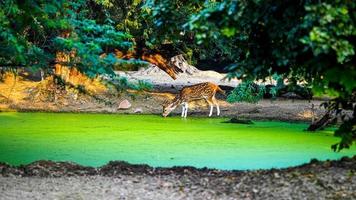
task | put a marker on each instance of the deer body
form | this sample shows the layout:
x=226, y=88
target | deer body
x=199, y=91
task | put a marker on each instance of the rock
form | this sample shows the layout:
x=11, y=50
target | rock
x=276, y=175
x=75, y=96
x=3, y=167
x=7, y=170
x=151, y=69
x=211, y=74
x=114, y=168
x=239, y=121
x=291, y=95
x=138, y=110
x=125, y=104
x=45, y=168
x=180, y=62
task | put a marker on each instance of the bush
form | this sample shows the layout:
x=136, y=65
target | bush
x=247, y=91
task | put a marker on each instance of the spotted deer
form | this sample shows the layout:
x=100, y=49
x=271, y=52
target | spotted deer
x=199, y=91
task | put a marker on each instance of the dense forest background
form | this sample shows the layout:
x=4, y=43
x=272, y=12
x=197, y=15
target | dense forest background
x=309, y=42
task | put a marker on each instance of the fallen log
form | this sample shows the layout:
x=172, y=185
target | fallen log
x=235, y=120
x=322, y=122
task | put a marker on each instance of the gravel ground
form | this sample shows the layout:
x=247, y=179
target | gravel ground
x=119, y=180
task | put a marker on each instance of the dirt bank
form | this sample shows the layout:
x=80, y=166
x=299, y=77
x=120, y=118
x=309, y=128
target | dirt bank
x=120, y=180
x=23, y=95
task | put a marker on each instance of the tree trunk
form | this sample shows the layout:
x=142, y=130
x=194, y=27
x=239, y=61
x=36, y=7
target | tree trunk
x=321, y=123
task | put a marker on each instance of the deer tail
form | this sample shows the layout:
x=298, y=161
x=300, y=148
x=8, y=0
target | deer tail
x=218, y=89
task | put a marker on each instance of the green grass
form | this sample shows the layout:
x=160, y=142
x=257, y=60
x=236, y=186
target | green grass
x=95, y=139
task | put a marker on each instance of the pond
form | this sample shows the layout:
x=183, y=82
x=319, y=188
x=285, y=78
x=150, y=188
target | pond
x=95, y=139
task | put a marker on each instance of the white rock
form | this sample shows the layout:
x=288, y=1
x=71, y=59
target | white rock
x=276, y=175
x=138, y=110
x=125, y=104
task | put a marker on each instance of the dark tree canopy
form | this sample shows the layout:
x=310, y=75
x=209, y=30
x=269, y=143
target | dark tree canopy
x=306, y=41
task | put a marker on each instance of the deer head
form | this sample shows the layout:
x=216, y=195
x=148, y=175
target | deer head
x=168, y=107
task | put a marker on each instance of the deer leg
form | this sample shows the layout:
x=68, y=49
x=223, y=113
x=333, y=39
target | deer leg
x=217, y=106
x=186, y=110
x=211, y=106
x=183, y=109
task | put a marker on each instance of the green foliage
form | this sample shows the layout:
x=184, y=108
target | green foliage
x=121, y=84
x=278, y=86
x=302, y=39
x=347, y=132
x=127, y=16
x=105, y=3
x=168, y=17
x=158, y=24
x=143, y=86
x=31, y=33
x=89, y=40
x=247, y=91
x=332, y=26
x=306, y=41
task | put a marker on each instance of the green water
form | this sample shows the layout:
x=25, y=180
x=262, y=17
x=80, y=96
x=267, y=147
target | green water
x=95, y=139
